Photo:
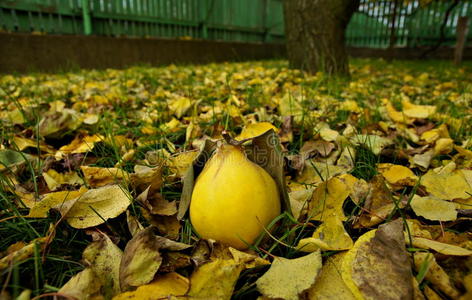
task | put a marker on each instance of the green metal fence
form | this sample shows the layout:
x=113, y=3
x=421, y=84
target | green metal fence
x=385, y=23
x=233, y=20
x=377, y=23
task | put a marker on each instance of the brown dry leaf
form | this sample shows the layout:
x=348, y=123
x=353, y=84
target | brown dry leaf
x=446, y=183
x=397, y=174
x=330, y=235
x=163, y=287
x=98, y=177
x=50, y=200
x=18, y=255
x=433, y=208
x=288, y=278
x=134, y=226
x=81, y=144
x=84, y=285
x=255, y=129
x=378, y=265
x=442, y=248
x=142, y=257
x=54, y=179
x=330, y=285
x=215, y=280
x=249, y=260
x=104, y=257
x=95, y=206
x=435, y=274
x=146, y=177
x=328, y=199
x=323, y=148
x=378, y=204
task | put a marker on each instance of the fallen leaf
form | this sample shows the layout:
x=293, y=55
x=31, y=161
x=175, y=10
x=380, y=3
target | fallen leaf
x=142, y=257
x=255, y=129
x=50, y=200
x=378, y=266
x=215, y=280
x=54, y=179
x=417, y=111
x=288, y=278
x=81, y=144
x=447, y=185
x=330, y=235
x=442, y=248
x=98, y=177
x=435, y=274
x=166, y=286
x=433, y=208
x=374, y=143
x=328, y=199
x=104, y=258
x=397, y=174
x=84, y=285
x=329, y=284
x=21, y=254
x=95, y=206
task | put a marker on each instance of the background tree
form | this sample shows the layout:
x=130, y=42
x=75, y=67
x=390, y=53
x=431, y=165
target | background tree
x=315, y=31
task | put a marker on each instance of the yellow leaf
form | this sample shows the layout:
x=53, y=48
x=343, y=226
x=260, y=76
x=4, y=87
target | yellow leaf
x=255, y=129
x=329, y=284
x=328, y=199
x=98, y=177
x=328, y=134
x=50, y=200
x=435, y=274
x=432, y=135
x=163, y=287
x=287, y=278
x=397, y=174
x=84, y=285
x=442, y=248
x=95, y=206
x=443, y=146
x=21, y=253
x=395, y=115
x=104, y=258
x=80, y=144
x=417, y=111
x=215, y=280
x=181, y=162
x=179, y=106
x=23, y=143
x=54, y=179
x=249, y=260
x=330, y=235
x=446, y=184
x=433, y=208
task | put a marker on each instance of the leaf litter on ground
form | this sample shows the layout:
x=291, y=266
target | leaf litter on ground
x=97, y=169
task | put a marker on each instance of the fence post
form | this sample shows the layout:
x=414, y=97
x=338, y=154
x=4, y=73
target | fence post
x=204, y=18
x=461, y=34
x=86, y=17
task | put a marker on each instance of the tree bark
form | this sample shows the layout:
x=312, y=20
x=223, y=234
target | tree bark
x=315, y=32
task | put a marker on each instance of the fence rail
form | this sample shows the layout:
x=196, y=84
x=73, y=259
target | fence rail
x=377, y=23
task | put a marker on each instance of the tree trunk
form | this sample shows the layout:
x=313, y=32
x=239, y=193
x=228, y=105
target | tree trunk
x=315, y=31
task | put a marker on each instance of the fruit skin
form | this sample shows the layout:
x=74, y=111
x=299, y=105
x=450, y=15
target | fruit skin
x=233, y=198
